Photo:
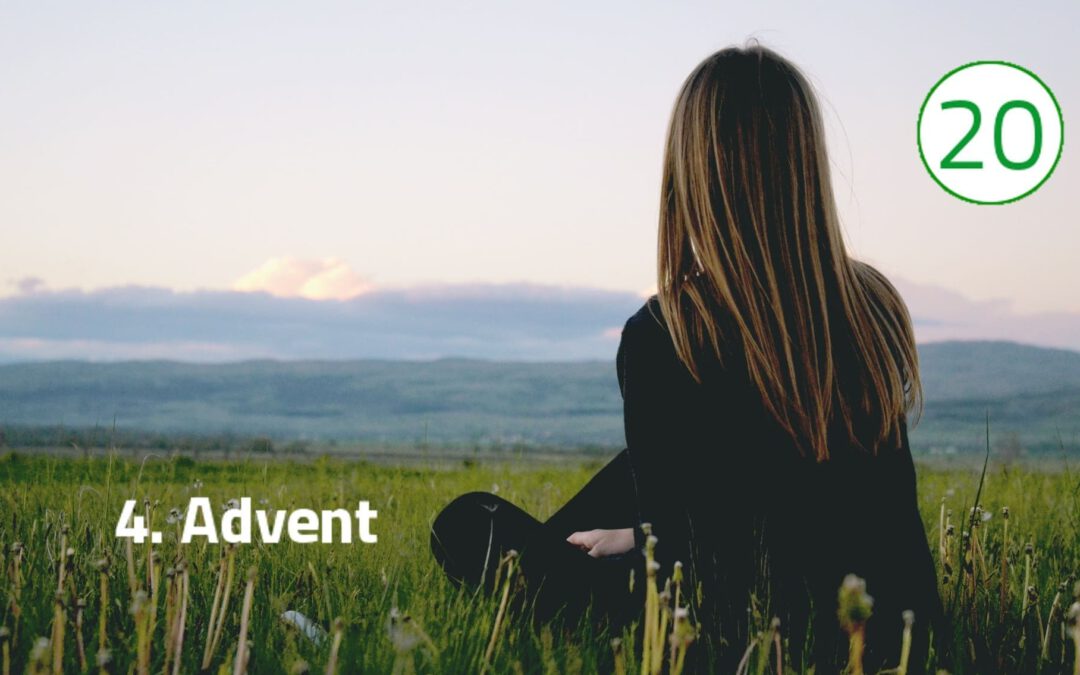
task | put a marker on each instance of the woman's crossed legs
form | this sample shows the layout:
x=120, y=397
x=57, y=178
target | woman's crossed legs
x=473, y=533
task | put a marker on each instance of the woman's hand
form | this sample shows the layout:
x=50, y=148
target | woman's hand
x=601, y=543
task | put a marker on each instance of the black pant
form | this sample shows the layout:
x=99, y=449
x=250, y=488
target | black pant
x=470, y=536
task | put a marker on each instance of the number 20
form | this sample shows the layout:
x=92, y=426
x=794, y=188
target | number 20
x=950, y=161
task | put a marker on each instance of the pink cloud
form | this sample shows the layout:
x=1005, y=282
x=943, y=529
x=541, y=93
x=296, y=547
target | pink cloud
x=286, y=277
x=943, y=314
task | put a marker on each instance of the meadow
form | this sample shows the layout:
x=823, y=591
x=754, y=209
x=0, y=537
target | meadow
x=78, y=599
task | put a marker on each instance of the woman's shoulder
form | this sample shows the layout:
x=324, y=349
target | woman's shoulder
x=648, y=318
x=646, y=335
x=649, y=326
x=647, y=355
x=647, y=329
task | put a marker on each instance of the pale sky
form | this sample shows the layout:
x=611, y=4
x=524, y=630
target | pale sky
x=349, y=146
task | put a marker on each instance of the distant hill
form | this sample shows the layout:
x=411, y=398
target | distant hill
x=1032, y=395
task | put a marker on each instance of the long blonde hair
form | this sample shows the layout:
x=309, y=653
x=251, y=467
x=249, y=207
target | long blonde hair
x=751, y=254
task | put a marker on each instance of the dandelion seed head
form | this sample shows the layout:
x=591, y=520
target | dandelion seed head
x=1073, y=616
x=976, y=515
x=40, y=649
x=300, y=668
x=138, y=601
x=404, y=636
x=683, y=632
x=855, y=605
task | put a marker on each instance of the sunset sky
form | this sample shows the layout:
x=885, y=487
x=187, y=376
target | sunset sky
x=329, y=150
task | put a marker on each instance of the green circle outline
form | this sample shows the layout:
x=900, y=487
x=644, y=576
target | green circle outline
x=922, y=108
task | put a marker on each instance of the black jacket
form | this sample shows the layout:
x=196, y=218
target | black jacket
x=765, y=531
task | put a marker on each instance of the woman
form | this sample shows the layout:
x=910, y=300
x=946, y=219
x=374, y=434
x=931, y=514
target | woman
x=766, y=387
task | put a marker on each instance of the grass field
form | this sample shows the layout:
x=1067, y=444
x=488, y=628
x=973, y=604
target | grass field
x=58, y=516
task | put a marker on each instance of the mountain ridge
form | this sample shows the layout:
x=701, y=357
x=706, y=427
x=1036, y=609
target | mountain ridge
x=1031, y=393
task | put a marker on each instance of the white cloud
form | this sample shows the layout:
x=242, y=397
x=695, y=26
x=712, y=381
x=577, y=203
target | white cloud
x=528, y=322
x=286, y=277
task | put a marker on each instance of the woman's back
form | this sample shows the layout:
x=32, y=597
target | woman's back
x=766, y=390
x=730, y=495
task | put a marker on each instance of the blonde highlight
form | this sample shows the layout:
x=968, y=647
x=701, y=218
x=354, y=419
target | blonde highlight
x=749, y=232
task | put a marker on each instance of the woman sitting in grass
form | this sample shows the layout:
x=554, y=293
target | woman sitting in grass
x=766, y=388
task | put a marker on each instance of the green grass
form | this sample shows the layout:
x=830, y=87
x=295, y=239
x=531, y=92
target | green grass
x=361, y=584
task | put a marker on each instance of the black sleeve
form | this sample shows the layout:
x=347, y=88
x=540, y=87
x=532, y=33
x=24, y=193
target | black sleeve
x=653, y=420
x=606, y=502
x=910, y=577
